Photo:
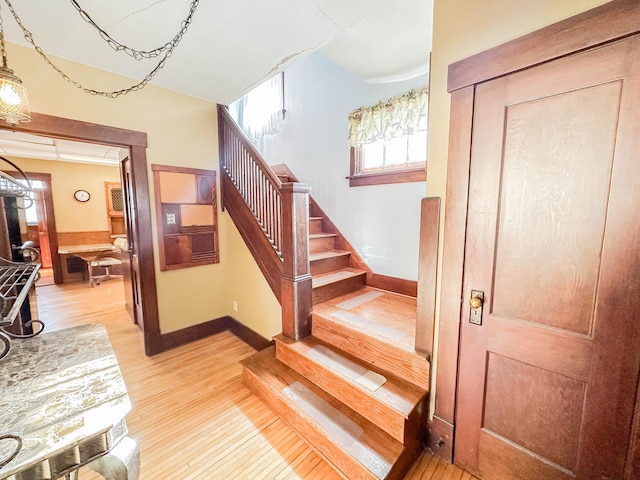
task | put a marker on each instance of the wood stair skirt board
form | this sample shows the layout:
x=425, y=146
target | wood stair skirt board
x=377, y=327
x=396, y=406
x=353, y=445
x=335, y=283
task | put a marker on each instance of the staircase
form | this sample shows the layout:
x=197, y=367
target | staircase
x=355, y=389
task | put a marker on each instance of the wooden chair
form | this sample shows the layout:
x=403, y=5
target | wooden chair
x=105, y=260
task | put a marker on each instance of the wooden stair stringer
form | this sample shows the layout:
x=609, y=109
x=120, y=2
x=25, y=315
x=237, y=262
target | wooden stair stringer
x=397, y=407
x=355, y=447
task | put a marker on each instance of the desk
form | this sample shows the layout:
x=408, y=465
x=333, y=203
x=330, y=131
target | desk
x=63, y=393
x=86, y=252
x=89, y=250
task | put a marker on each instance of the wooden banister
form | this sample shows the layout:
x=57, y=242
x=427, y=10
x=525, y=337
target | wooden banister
x=272, y=218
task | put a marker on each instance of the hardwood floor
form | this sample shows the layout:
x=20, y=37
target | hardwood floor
x=192, y=417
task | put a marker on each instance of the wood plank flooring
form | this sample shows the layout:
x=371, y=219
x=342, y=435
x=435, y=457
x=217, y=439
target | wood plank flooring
x=192, y=417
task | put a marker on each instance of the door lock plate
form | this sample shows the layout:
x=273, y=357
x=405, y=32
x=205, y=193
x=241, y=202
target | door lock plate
x=476, y=303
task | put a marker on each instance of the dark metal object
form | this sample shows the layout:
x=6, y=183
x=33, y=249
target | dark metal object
x=18, y=439
x=170, y=46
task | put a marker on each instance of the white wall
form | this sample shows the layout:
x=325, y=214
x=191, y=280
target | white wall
x=380, y=221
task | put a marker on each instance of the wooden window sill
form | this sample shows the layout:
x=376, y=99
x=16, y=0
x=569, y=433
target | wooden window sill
x=382, y=178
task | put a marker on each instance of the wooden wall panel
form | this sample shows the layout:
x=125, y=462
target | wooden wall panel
x=177, y=187
x=545, y=416
x=537, y=248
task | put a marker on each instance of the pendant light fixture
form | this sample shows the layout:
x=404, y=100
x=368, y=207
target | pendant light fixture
x=14, y=104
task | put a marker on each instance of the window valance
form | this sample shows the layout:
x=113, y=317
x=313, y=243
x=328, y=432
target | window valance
x=396, y=117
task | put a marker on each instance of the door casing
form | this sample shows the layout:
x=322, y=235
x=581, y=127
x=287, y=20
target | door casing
x=136, y=143
x=605, y=24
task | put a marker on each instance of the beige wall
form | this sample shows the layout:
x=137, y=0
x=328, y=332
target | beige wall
x=461, y=29
x=66, y=178
x=181, y=130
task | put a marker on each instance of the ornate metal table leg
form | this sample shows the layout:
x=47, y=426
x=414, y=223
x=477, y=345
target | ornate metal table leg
x=121, y=463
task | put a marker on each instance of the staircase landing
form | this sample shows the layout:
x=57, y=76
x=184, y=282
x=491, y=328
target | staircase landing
x=376, y=326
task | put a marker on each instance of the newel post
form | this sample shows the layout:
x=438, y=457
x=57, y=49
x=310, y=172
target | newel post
x=295, y=294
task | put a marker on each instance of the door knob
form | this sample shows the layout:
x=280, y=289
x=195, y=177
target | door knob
x=475, y=302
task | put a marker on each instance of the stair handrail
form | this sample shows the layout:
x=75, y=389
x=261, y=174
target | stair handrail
x=282, y=212
x=259, y=186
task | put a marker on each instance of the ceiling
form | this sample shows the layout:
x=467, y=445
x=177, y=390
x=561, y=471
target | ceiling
x=230, y=47
x=233, y=45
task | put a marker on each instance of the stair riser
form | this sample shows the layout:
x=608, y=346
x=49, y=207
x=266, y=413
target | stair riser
x=315, y=225
x=389, y=420
x=335, y=289
x=321, y=244
x=410, y=367
x=326, y=265
x=307, y=431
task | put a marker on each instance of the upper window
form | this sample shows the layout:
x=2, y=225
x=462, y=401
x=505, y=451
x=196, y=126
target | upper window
x=389, y=140
x=260, y=111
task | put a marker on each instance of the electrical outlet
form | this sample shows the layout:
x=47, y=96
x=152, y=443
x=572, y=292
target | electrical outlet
x=235, y=306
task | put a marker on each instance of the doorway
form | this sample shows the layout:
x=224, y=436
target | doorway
x=138, y=201
x=540, y=361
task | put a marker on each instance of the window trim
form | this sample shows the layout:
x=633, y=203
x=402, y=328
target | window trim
x=399, y=175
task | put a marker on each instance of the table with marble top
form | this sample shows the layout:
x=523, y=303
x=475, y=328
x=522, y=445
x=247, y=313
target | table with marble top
x=63, y=404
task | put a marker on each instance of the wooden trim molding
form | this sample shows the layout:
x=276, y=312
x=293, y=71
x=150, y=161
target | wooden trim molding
x=247, y=335
x=427, y=269
x=136, y=142
x=388, y=177
x=440, y=438
x=453, y=252
x=399, y=175
x=609, y=22
x=602, y=25
x=394, y=284
x=212, y=327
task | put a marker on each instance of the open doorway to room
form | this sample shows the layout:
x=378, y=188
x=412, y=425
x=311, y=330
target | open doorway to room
x=131, y=168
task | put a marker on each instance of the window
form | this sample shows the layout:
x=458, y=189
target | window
x=31, y=212
x=389, y=141
x=260, y=111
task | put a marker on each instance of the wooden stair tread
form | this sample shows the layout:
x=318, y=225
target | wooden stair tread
x=392, y=312
x=356, y=447
x=376, y=326
x=322, y=235
x=328, y=254
x=315, y=218
x=396, y=406
x=336, y=276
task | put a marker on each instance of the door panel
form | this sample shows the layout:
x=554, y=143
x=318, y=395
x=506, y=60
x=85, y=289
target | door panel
x=132, y=287
x=547, y=381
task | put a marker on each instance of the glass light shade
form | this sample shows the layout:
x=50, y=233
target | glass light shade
x=14, y=104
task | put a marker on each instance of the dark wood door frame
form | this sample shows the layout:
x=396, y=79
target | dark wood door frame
x=602, y=25
x=136, y=143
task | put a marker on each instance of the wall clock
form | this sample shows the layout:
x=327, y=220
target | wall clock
x=81, y=195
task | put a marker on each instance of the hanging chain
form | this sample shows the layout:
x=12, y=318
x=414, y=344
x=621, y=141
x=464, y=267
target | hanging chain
x=3, y=50
x=115, y=93
x=139, y=54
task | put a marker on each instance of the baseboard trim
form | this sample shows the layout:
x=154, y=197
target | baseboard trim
x=193, y=333
x=394, y=284
x=440, y=439
x=248, y=336
x=213, y=327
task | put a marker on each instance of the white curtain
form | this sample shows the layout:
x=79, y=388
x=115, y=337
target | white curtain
x=394, y=118
x=260, y=111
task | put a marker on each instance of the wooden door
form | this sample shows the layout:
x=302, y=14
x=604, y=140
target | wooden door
x=43, y=229
x=131, y=270
x=547, y=382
